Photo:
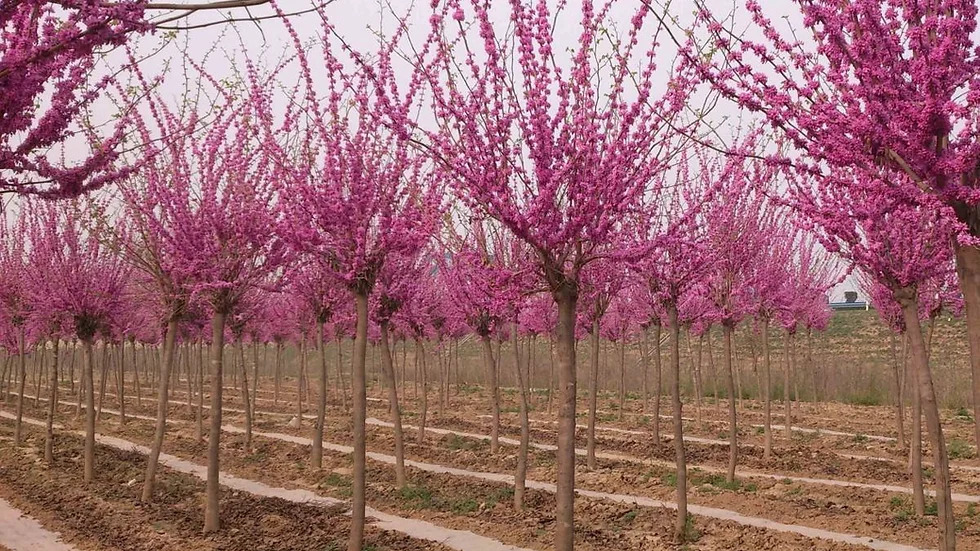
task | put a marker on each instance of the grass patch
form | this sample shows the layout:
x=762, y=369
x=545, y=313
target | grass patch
x=416, y=497
x=959, y=449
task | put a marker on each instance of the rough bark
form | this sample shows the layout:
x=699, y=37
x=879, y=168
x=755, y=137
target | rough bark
x=732, y=423
x=491, y=367
x=593, y=394
x=359, y=399
x=387, y=365
x=566, y=298
x=52, y=406
x=767, y=388
x=21, y=381
x=424, y=370
x=212, y=520
x=968, y=272
x=680, y=524
x=520, y=475
x=163, y=394
x=89, y=459
x=316, y=454
x=657, y=376
x=930, y=407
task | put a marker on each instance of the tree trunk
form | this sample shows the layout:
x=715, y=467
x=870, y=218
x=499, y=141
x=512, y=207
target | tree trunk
x=491, y=367
x=199, y=414
x=52, y=407
x=593, y=394
x=680, y=524
x=520, y=476
x=89, y=460
x=551, y=375
x=136, y=378
x=968, y=272
x=387, y=365
x=787, y=404
x=767, y=388
x=277, y=375
x=359, y=398
x=316, y=455
x=245, y=397
x=712, y=372
x=212, y=521
x=162, y=408
x=657, y=376
x=915, y=450
x=22, y=380
x=944, y=503
x=121, y=383
x=730, y=382
x=899, y=421
x=424, y=370
x=299, y=379
x=566, y=299
x=622, y=377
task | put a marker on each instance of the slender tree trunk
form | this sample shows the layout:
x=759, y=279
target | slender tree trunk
x=787, y=404
x=212, y=520
x=52, y=406
x=21, y=381
x=316, y=457
x=696, y=378
x=121, y=383
x=593, y=394
x=566, y=298
x=299, y=379
x=136, y=377
x=424, y=369
x=730, y=382
x=340, y=373
x=103, y=378
x=712, y=373
x=199, y=414
x=944, y=503
x=680, y=524
x=277, y=375
x=162, y=408
x=968, y=272
x=622, y=377
x=657, y=377
x=899, y=421
x=245, y=397
x=767, y=387
x=89, y=458
x=359, y=388
x=520, y=476
x=915, y=450
x=491, y=367
x=396, y=416
x=551, y=374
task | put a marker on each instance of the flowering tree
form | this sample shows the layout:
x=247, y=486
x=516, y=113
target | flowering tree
x=355, y=194
x=885, y=88
x=526, y=141
x=84, y=281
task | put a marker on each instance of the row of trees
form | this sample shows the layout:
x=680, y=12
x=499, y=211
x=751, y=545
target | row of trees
x=493, y=158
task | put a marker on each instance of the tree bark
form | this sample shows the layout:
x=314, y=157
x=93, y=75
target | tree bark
x=359, y=399
x=622, y=377
x=915, y=450
x=944, y=503
x=424, y=369
x=657, y=376
x=212, y=521
x=968, y=272
x=245, y=397
x=767, y=387
x=22, y=380
x=89, y=459
x=520, y=476
x=899, y=421
x=491, y=367
x=199, y=414
x=387, y=364
x=52, y=407
x=680, y=524
x=162, y=407
x=593, y=394
x=787, y=404
x=730, y=382
x=566, y=298
x=316, y=456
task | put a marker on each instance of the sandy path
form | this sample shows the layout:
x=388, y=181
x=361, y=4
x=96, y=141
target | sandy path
x=19, y=532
